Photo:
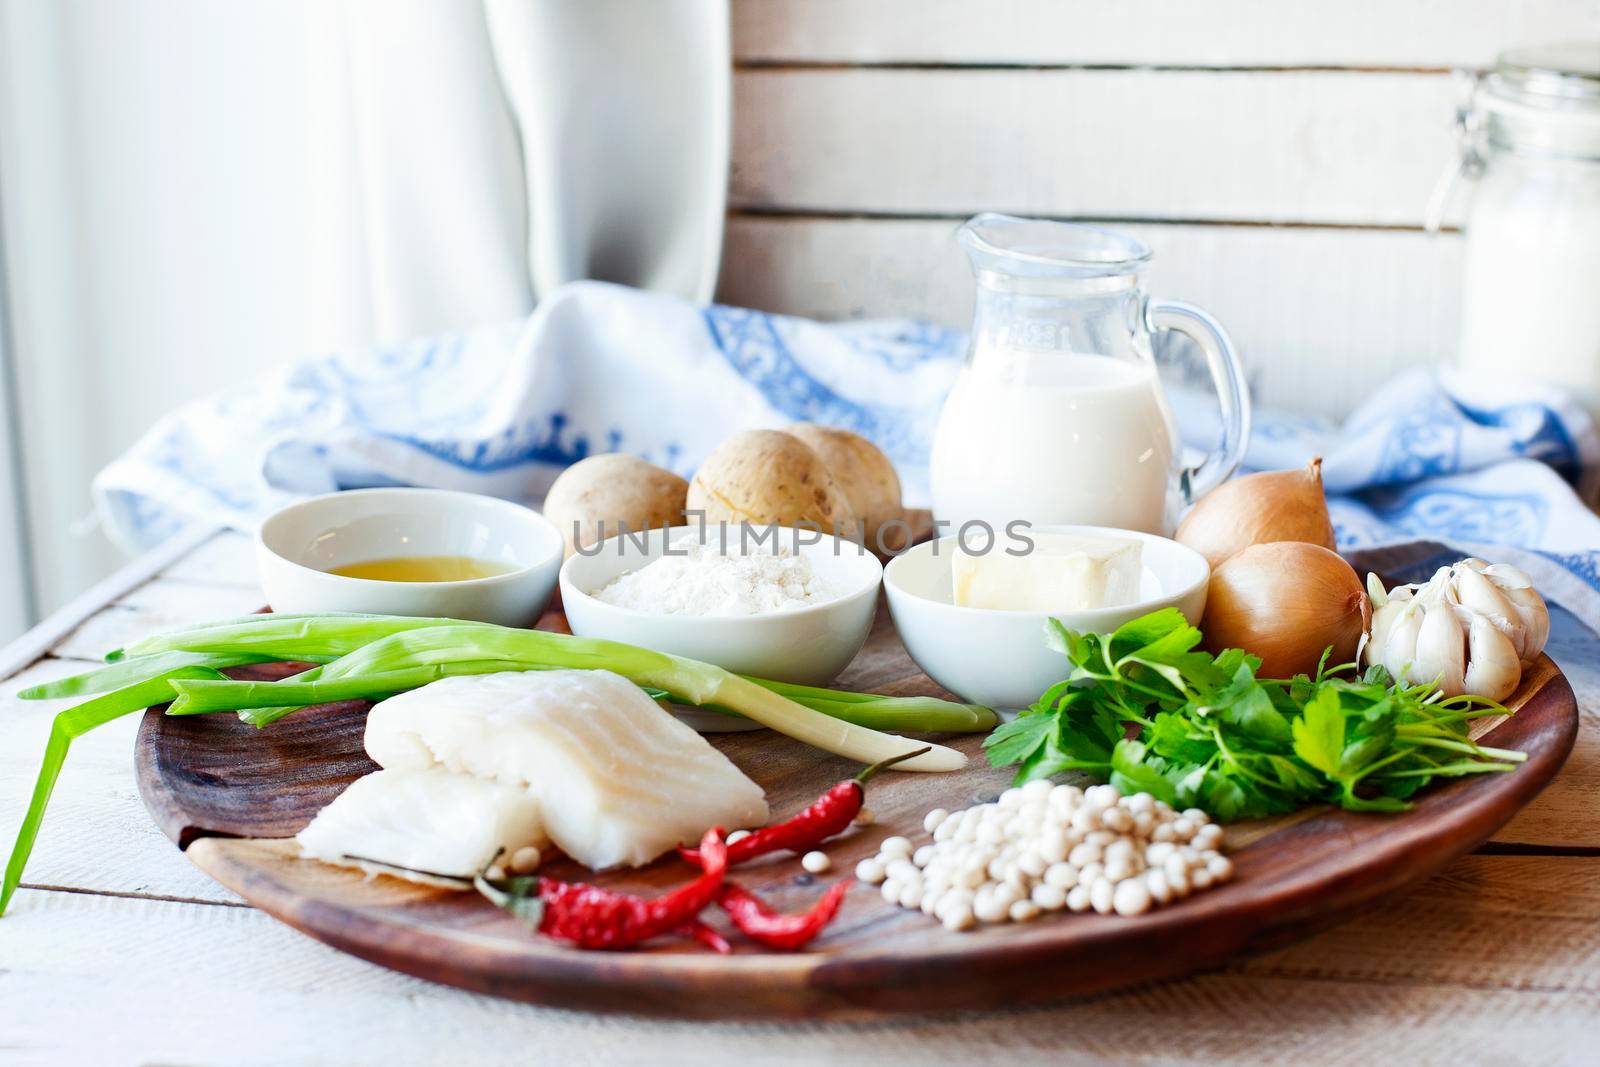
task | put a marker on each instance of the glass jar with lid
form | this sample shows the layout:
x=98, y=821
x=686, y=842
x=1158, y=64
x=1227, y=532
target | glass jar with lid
x=1531, y=286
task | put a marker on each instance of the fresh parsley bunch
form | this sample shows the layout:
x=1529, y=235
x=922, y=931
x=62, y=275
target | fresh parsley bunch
x=1147, y=709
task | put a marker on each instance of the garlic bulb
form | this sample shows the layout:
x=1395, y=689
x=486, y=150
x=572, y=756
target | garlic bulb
x=1472, y=626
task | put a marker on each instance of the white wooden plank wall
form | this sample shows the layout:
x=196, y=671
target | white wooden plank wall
x=1277, y=154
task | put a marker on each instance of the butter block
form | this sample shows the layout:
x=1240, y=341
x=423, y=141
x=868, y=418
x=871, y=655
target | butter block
x=1064, y=572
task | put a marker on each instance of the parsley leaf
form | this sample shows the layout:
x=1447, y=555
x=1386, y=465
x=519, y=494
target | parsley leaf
x=1148, y=709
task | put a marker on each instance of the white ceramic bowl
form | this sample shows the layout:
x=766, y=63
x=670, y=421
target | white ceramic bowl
x=297, y=546
x=999, y=658
x=807, y=645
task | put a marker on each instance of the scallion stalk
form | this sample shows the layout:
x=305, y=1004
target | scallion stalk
x=69, y=725
x=373, y=656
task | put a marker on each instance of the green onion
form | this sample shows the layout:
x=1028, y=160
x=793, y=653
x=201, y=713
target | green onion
x=126, y=672
x=71, y=724
x=455, y=643
x=304, y=638
x=374, y=656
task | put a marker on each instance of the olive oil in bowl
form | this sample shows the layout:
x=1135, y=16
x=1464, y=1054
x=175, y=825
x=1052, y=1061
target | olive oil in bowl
x=423, y=569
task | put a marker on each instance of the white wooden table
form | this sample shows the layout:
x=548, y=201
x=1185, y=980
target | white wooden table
x=116, y=950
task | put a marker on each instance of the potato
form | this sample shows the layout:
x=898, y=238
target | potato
x=867, y=477
x=767, y=477
x=617, y=490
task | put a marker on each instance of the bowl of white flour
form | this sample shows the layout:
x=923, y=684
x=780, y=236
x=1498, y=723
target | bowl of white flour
x=784, y=604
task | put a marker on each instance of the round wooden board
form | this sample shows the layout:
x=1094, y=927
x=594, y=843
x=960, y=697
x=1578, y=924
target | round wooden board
x=229, y=794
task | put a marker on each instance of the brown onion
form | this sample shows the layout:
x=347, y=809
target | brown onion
x=1257, y=509
x=1286, y=601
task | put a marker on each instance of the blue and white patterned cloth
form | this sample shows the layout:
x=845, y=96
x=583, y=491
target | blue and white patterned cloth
x=601, y=368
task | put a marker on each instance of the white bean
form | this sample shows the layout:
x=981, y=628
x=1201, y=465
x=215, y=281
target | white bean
x=816, y=862
x=526, y=859
x=870, y=871
x=1131, y=897
x=1061, y=875
x=1078, y=898
x=1053, y=846
x=737, y=836
x=1023, y=910
x=1049, y=897
x=989, y=910
x=1038, y=789
x=1084, y=854
x=923, y=856
x=934, y=819
x=1102, y=795
x=895, y=846
x=1101, y=895
x=1119, y=869
x=1221, y=868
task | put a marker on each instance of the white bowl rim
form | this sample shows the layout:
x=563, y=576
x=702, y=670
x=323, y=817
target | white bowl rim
x=869, y=588
x=511, y=507
x=890, y=579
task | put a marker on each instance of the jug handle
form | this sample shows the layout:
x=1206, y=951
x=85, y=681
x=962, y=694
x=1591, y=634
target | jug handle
x=1232, y=393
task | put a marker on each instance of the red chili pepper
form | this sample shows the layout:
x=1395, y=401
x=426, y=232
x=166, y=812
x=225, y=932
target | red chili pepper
x=758, y=922
x=592, y=917
x=831, y=814
x=708, y=937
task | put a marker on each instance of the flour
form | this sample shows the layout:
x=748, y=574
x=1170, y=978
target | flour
x=703, y=581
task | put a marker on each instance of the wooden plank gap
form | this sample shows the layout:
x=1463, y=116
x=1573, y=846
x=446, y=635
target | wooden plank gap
x=1302, y=974
x=1155, y=68
x=801, y=214
x=163, y=898
x=1518, y=848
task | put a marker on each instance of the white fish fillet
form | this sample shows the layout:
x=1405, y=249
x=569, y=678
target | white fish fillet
x=429, y=820
x=619, y=780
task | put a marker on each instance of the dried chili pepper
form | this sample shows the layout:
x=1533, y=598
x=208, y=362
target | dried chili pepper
x=708, y=937
x=832, y=813
x=758, y=922
x=591, y=917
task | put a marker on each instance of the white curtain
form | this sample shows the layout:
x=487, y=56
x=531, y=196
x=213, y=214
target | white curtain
x=469, y=158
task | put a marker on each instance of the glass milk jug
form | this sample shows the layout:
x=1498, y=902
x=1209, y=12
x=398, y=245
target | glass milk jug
x=1058, y=415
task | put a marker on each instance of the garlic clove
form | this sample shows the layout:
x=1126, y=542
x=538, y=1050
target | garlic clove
x=1531, y=610
x=1478, y=595
x=1493, y=666
x=1375, y=592
x=1441, y=650
x=1384, y=618
x=1399, y=647
x=1508, y=577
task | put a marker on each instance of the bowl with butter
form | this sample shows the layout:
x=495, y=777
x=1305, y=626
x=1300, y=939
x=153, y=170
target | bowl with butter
x=973, y=614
